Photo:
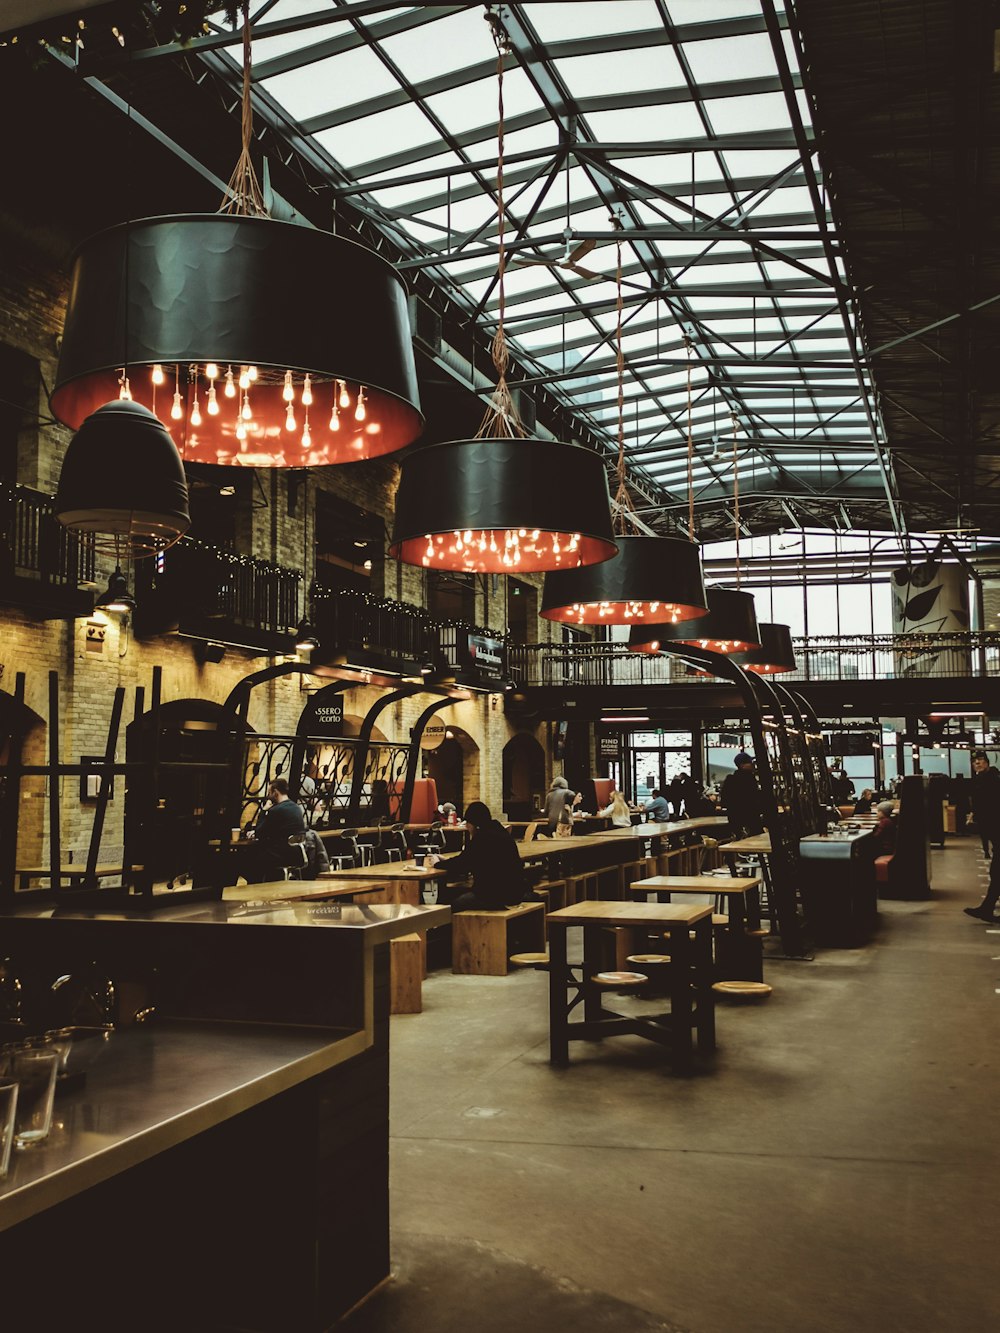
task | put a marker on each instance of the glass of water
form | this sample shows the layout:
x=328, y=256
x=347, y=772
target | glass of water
x=34, y=1070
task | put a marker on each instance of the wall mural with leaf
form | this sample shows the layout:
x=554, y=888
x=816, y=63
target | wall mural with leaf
x=929, y=599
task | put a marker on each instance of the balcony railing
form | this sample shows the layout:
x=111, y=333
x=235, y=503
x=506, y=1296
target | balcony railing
x=34, y=542
x=198, y=582
x=866, y=657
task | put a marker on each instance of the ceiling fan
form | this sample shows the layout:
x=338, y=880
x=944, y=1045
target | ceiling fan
x=569, y=259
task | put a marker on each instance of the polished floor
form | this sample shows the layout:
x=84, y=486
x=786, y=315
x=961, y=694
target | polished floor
x=833, y=1170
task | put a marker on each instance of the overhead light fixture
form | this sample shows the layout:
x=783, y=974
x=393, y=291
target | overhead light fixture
x=258, y=343
x=502, y=502
x=624, y=719
x=651, y=578
x=122, y=481
x=729, y=626
x=117, y=596
x=305, y=635
x=775, y=654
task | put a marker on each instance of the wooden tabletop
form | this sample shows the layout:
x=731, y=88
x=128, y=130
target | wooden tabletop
x=390, y=870
x=77, y=868
x=759, y=842
x=595, y=912
x=282, y=890
x=716, y=885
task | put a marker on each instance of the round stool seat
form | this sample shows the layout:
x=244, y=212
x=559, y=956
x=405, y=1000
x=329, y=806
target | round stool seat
x=529, y=959
x=619, y=979
x=756, y=934
x=742, y=990
x=651, y=959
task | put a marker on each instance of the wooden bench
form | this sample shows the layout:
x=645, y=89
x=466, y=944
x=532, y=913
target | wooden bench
x=482, y=942
x=407, y=969
x=74, y=874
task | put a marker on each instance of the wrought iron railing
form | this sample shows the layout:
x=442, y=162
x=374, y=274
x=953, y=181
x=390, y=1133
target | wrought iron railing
x=208, y=582
x=34, y=542
x=867, y=657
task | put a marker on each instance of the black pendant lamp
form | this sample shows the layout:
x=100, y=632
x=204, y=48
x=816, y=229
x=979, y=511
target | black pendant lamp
x=775, y=654
x=257, y=343
x=658, y=579
x=117, y=596
x=122, y=481
x=730, y=626
x=502, y=503
x=502, y=506
x=651, y=578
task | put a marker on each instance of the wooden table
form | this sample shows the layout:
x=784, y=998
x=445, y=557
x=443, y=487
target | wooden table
x=756, y=845
x=743, y=895
x=692, y=1001
x=393, y=882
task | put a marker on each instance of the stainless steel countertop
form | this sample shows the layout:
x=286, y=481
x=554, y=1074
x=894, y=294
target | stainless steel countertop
x=374, y=923
x=154, y=1087
x=831, y=846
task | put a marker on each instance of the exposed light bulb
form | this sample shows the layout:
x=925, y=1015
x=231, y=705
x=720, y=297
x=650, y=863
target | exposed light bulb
x=230, y=389
x=177, y=411
x=360, y=412
x=212, y=406
x=245, y=411
x=345, y=397
x=306, y=434
x=252, y=372
x=288, y=392
x=158, y=376
x=212, y=370
x=124, y=392
x=307, y=394
x=244, y=377
x=335, y=418
x=195, y=412
x=241, y=430
x=290, y=418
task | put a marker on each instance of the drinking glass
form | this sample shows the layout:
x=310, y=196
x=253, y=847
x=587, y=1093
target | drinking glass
x=35, y=1071
x=8, y=1110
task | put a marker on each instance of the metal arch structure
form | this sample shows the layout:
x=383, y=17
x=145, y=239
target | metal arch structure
x=731, y=252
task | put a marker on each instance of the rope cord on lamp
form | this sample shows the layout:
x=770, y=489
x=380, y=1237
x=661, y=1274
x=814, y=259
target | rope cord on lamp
x=243, y=194
x=502, y=502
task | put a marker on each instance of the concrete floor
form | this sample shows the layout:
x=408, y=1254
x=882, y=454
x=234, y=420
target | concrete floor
x=834, y=1169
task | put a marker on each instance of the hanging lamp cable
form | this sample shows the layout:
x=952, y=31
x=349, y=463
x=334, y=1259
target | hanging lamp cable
x=243, y=193
x=690, y=442
x=501, y=418
x=624, y=515
x=736, y=495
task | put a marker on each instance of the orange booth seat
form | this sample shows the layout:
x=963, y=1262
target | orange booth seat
x=423, y=808
x=603, y=787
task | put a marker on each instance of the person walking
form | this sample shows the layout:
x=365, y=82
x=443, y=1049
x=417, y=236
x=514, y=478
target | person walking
x=558, y=805
x=984, y=797
x=985, y=794
x=741, y=800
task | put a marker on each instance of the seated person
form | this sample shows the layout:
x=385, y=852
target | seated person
x=444, y=813
x=885, y=829
x=267, y=852
x=492, y=859
x=657, y=807
x=864, y=802
x=618, y=811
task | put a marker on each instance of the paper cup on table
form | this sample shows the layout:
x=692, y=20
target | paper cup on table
x=234, y=834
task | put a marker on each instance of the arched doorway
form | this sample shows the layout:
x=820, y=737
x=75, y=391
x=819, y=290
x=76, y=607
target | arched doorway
x=454, y=766
x=523, y=776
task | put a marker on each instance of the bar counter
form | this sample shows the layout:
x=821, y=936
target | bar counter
x=225, y=1162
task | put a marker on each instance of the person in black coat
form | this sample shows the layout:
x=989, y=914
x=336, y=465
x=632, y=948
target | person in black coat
x=266, y=856
x=741, y=799
x=984, y=794
x=493, y=861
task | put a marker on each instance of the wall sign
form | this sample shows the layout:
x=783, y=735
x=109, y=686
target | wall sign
x=434, y=734
x=323, y=714
x=486, y=656
x=609, y=745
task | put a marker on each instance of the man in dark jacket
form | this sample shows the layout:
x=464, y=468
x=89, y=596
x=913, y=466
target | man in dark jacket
x=985, y=794
x=740, y=797
x=267, y=855
x=493, y=861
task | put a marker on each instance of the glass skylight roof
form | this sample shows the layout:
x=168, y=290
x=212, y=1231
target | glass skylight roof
x=671, y=120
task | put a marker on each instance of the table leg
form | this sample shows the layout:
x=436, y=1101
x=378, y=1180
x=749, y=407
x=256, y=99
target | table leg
x=558, y=987
x=702, y=981
x=592, y=998
x=680, y=998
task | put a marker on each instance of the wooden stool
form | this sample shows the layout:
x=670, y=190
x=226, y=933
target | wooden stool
x=481, y=941
x=406, y=973
x=742, y=990
x=539, y=961
x=618, y=980
x=655, y=967
x=628, y=873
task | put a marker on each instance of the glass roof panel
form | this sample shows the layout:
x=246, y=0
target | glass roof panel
x=448, y=43
x=613, y=72
x=745, y=57
x=554, y=20
x=331, y=84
